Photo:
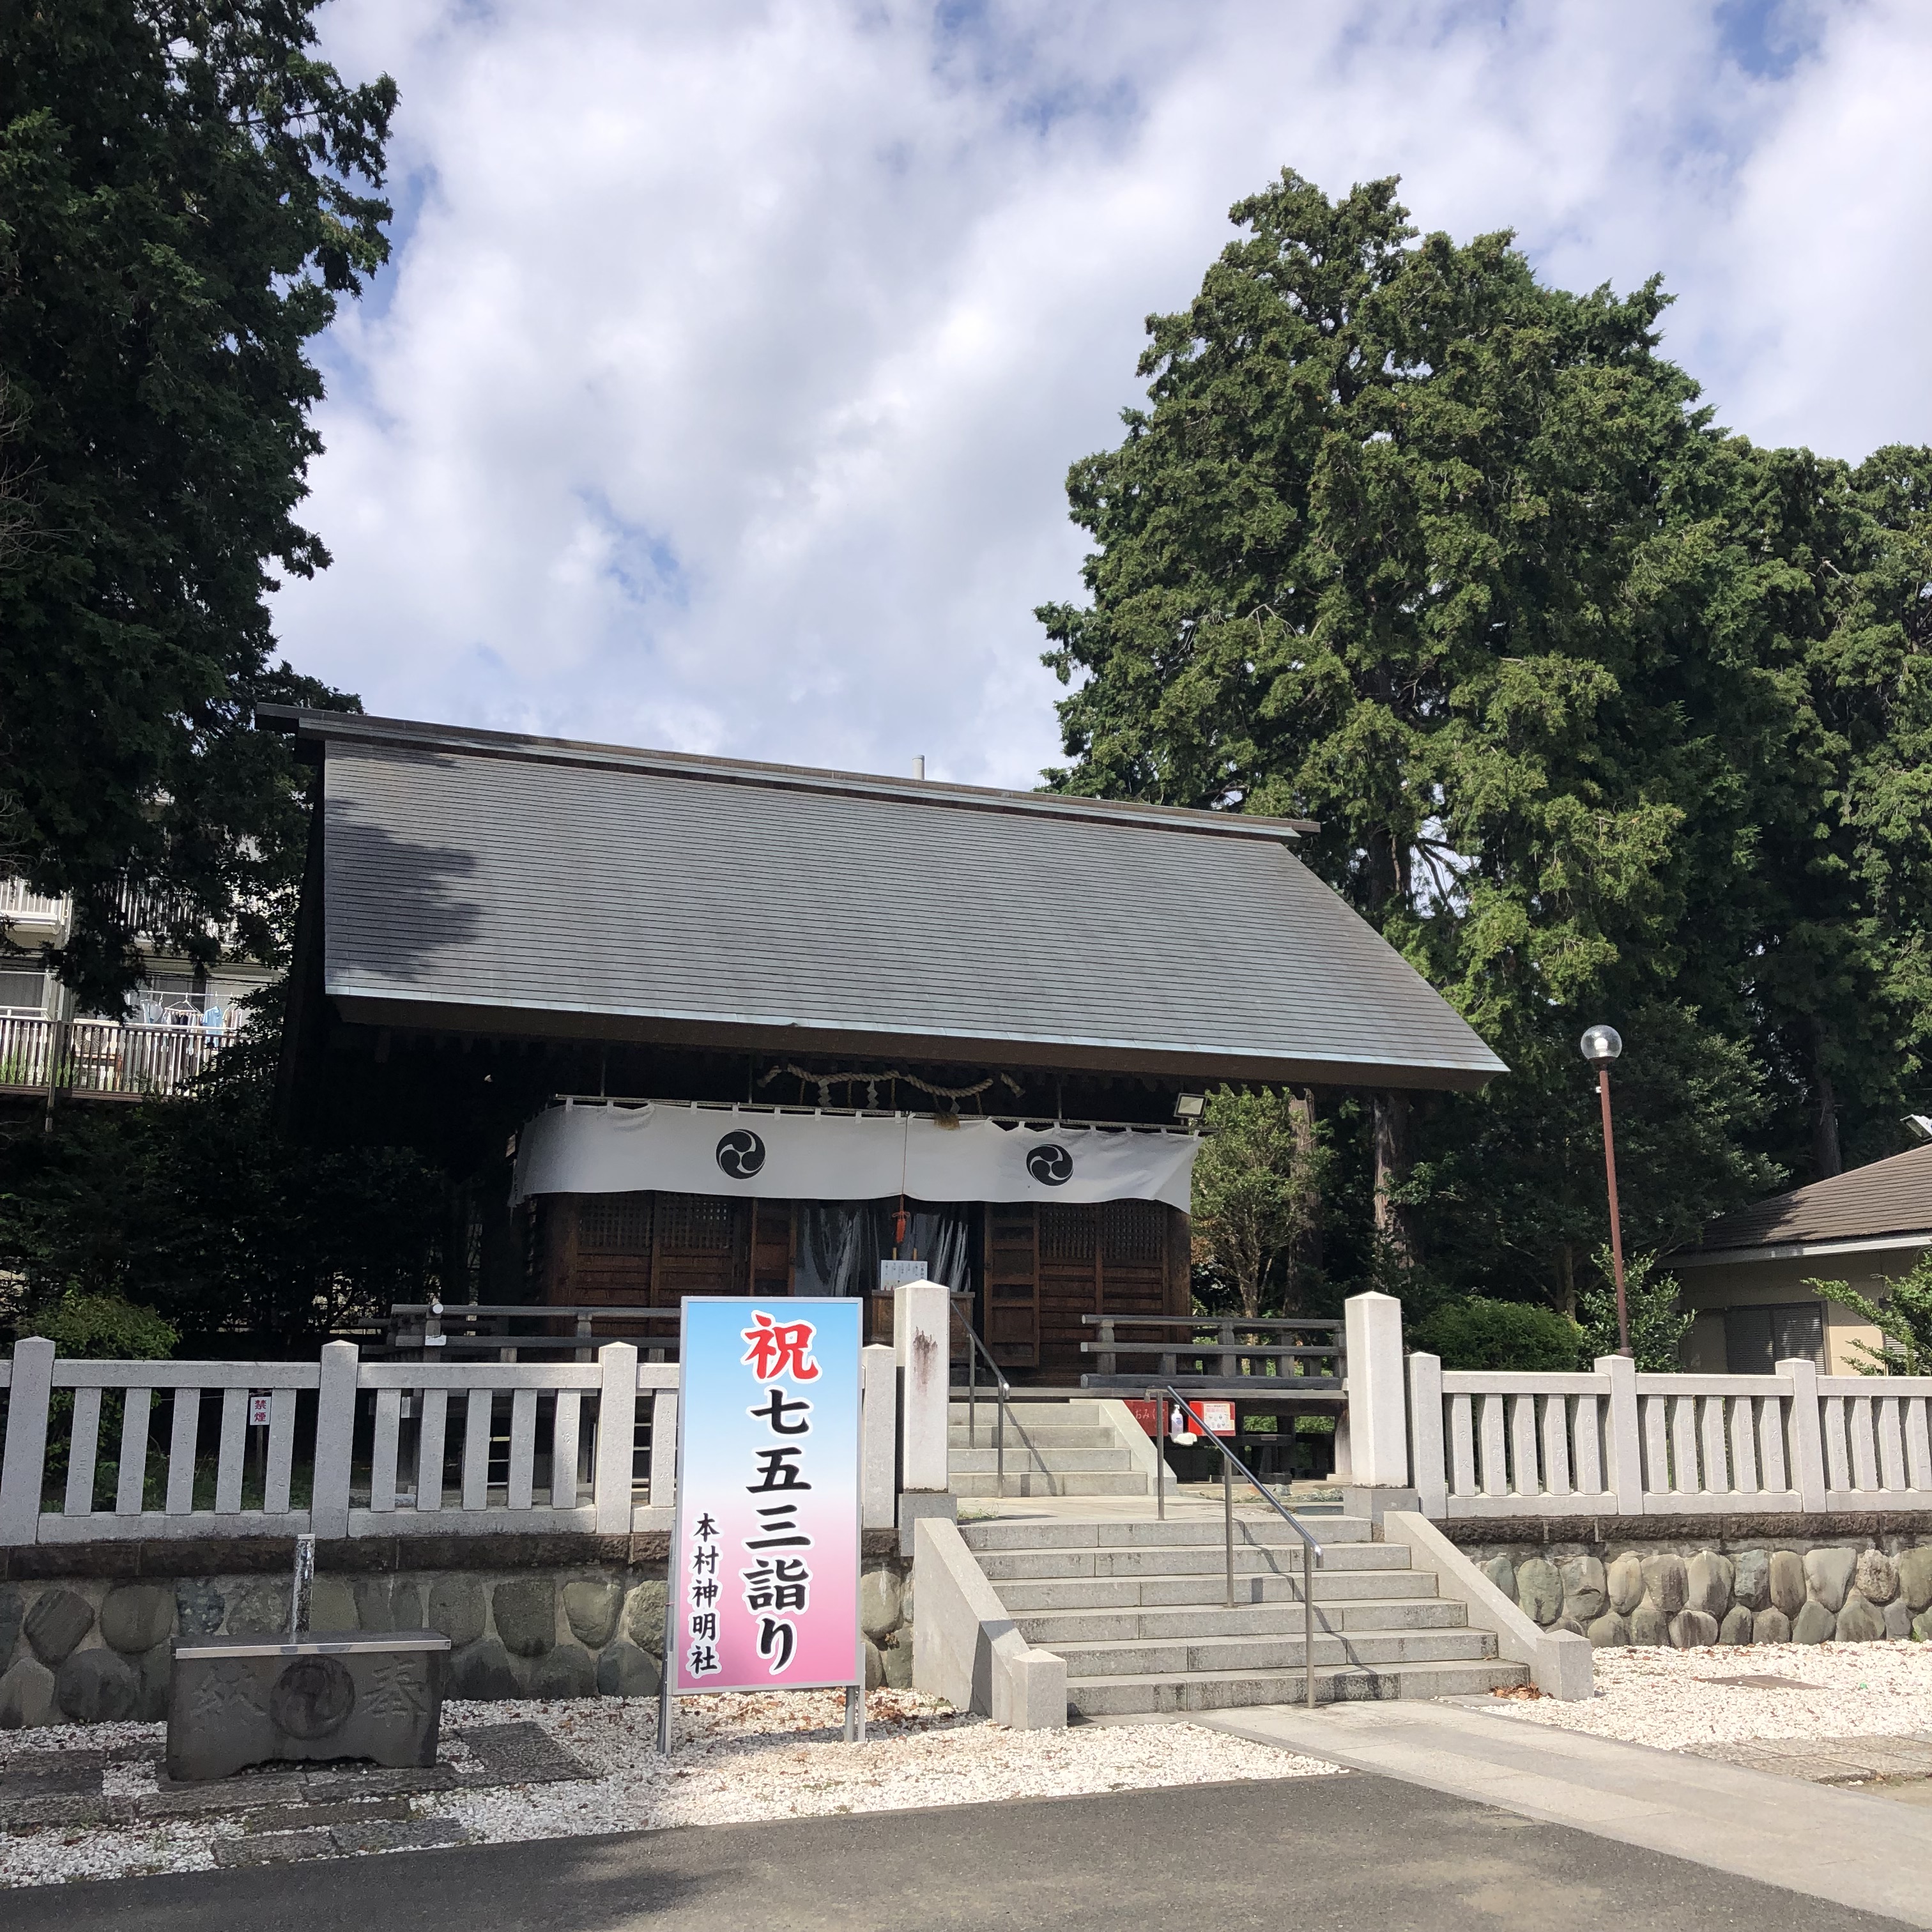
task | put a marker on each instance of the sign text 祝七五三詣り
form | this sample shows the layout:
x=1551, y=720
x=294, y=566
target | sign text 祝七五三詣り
x=765, y=1576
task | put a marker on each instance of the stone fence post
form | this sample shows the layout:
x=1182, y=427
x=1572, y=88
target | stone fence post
x=616, y=1437
x=26, y=1450
x=922, y=1348
x=334, y=1440
x=1377, y=1402
x=1427, y=1452
x=1807, y=1474
x=1623, y=1435
x=878, y=1426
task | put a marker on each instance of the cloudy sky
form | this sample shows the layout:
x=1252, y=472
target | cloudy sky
x=721, y=392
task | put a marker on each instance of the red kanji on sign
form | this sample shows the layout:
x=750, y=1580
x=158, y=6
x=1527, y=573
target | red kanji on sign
x=780, y=1348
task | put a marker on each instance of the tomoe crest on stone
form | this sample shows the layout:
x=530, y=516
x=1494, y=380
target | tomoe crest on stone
x=740, y=1154
x=1051, y=1165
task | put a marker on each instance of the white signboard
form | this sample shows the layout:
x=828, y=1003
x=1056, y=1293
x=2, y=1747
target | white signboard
x=764, y=1581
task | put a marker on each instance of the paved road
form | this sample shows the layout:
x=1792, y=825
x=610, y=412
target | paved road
x=1329, y=1852
x=1779, y=1830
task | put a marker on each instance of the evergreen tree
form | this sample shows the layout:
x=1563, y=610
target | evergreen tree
x=183, y=199
x=1456, y=564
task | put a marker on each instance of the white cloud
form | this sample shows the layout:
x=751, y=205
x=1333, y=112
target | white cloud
x=721, y=390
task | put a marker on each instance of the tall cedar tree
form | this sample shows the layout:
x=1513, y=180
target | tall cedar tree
x=1453, y=562
x=182, y=201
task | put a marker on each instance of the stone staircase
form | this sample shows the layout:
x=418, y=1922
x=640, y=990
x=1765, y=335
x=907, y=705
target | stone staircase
x=1053, y=1449
x=1137, y=1610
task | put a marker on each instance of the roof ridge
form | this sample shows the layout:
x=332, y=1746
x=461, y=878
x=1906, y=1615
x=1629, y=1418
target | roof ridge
x=359, y=728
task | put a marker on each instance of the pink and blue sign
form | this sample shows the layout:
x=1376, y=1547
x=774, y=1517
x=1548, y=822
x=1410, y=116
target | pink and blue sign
x=764, y=1591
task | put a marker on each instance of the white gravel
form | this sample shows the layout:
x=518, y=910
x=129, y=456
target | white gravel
x=1663, y=1698
x=735, y=1759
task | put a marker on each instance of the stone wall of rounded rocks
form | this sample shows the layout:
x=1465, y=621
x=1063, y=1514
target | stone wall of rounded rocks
x=1854, y=1591
x=86, y=1650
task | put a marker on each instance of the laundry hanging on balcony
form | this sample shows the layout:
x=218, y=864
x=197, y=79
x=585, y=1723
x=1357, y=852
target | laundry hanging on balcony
x=595, y=1148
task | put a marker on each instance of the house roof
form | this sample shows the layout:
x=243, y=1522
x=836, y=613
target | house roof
x=475, y=881
x=1887, y=1201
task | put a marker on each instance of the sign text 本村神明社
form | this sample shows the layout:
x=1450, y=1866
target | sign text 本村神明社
x=764, y=1583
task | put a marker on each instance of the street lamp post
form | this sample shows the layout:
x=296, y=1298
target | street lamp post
x=1601, y=1045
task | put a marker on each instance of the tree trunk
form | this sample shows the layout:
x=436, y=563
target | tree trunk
x=1825, y=1159
x=1394, y=1223
x=1305, y=1259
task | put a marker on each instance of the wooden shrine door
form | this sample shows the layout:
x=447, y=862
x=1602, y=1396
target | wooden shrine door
x=1047, y=1267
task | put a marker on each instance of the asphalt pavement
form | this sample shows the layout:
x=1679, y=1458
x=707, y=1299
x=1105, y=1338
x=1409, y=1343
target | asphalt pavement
x=1352, y=1851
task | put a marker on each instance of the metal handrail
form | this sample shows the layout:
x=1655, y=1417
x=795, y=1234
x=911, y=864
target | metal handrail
x=1311, y=1550
x=976, y=1353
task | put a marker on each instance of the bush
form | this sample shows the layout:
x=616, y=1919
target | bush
x=1657, y=1329
x=102, y=1327
x=1478, y=1333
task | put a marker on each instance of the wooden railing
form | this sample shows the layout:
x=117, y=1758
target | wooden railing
x=509, y=1330
x=1615, y=1442
x=1270, y=1358
x=105, y=1057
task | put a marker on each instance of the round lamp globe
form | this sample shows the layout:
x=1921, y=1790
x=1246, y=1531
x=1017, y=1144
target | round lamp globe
x=1601, y=1044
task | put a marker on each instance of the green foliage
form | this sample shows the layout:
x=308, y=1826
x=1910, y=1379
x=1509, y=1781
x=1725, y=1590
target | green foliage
x=1903, y=1320
x=198, y=1206
x=182, y=204
x=102, y=1327
x=1258, y=1183
x=1656, y=1329
x=1604, y=713
x=1478, y=1332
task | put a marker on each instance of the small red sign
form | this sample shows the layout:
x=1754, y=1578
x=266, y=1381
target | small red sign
x=258, y=1411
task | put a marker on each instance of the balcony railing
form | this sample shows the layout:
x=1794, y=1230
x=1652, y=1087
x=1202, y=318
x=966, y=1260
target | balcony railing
x=105, y=1057
x=17, y=901
x=147, y=911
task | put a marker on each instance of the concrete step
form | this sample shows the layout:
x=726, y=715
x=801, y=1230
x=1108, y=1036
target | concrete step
x=1204, y=1590
x=1219, y=1655
x=1000, y=1565
x=1040, y=1482
x=1053, y=1629
x=1111, y=1696
x=1267, y=1532
x=1034, y=1414
x=1071, y=1462
x=959, y=1437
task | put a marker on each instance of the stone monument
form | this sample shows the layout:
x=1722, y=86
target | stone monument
x=314, y=1696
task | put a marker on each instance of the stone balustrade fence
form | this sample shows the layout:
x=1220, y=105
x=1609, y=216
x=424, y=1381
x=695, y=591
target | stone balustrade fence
x=353, y=1449
x=1616, y=1443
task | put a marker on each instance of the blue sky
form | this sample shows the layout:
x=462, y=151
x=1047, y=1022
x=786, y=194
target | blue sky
x=721, y=390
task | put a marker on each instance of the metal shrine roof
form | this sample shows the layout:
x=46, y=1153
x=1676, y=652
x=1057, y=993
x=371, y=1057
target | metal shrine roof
x=480, y=881
x=1886, y=1202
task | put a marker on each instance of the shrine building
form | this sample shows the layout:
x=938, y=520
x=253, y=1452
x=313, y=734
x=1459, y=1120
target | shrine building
x=682, y=1024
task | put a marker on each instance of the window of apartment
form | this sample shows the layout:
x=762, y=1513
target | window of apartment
x=23, y=990
x=1756, y=1339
